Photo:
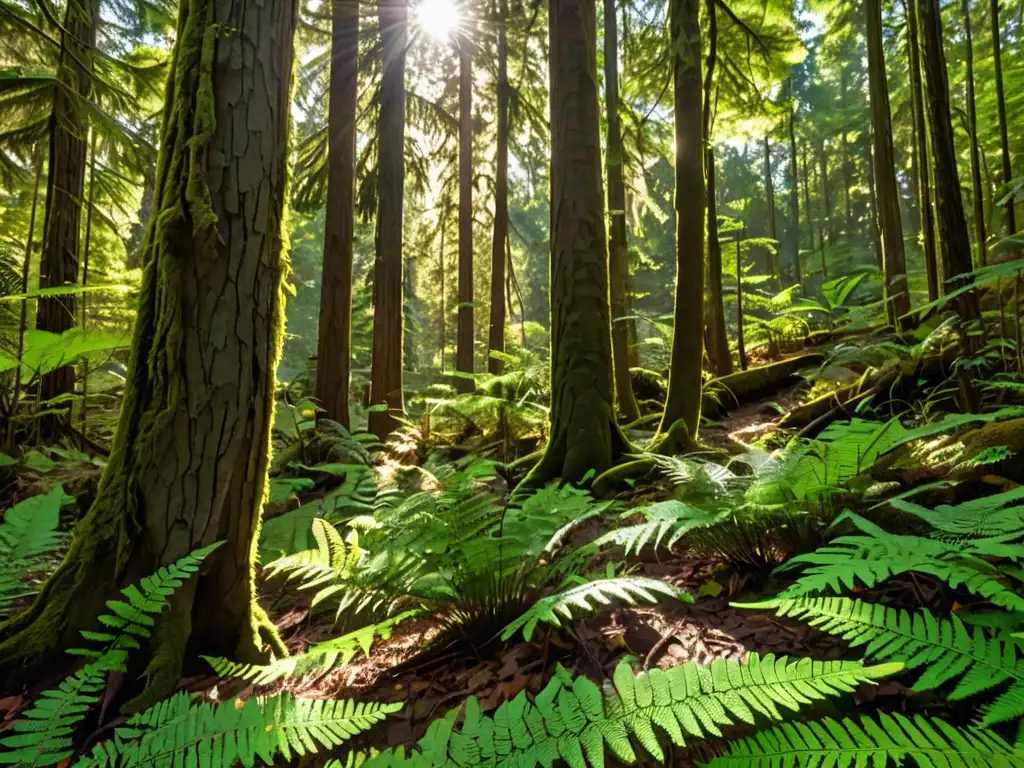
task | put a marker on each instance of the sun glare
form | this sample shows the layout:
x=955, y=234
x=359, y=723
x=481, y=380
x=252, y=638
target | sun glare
x=439, y=19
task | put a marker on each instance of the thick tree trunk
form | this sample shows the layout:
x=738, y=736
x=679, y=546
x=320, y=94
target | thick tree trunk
x=893, y=257
x=499, y=239
x=682, y=405
x=954, y=243
x=773, y=233
x=464, y=341
x=794, y=191
x=584, y=433
x=978, y=191
x=65, y=186
x=1004, y=140
x=189, y=464
x=334, y=346
x=618, y=247
x=924, y=193
x=388, y=305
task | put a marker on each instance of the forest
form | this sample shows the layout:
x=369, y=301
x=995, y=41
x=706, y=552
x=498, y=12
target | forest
x=512, y=383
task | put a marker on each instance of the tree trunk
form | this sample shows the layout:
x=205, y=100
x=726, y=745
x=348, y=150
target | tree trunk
x=807, y=201
x=924, y=193
x=584, y=433
x=893, y=257
x=682, y=405
x=189, y=463
x=618, y=247
x=1004, y=140
x=388, y=306
x=829, y=223
x=717, y=334
x=464, y=341
x=137, y=231
x=794, y=191
x=499, y=240
x=769, y=187
x=334, y=346
x=876, y=234
x=954, y=244
x=978, y=191
x=741, y=346
x=847, y=214
x=65, y=187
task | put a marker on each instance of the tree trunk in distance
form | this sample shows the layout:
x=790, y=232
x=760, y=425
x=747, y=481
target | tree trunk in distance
x=65, y=189
x=876, y=234
x=741, y=346
x=717, y=334
x=807, y=201
x=334, y=344
x=1004, y=140
x=829, y=224
x=978, y=191
x=773, y=233
x=90, y=206
x=388, y=283
x=682, y=405
x=190, y=460
x=893, y=257
x=794, y=191
x=464, y=342
x=847, y=215
x=924, y=194
x=618, y=247
x=584, y=432
x=499, y=239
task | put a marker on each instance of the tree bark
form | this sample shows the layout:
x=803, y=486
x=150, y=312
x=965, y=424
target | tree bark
x=499, y=239
x=388, y=305
x=794, y=191
x=978, y=191
x=189, y=463
x=717, y=334
x=893, y=256
x=807, y=202
x=682, y=405
x=618, y=246
x=924, y=193
x=334, y=346
x=464, y=340
x=769, y=187
x=584, y=432
x=65, y=187
x=1004, y=140
x=847, y=183
x=829, y=223
x=876, y=233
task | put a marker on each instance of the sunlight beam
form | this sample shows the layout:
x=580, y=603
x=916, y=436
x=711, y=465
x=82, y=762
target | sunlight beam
x=440, y=20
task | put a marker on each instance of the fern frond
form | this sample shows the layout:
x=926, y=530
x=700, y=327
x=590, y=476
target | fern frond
x=983, y=517
x=28, y=532
x=889, y=739
x=179, y=731
x=591, y=597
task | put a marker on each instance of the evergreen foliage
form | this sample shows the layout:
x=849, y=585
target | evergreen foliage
x=28, y=534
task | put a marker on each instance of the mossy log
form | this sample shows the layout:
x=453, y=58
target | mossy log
x=726, y=393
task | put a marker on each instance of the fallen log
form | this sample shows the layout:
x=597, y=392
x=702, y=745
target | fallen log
x=728, y=392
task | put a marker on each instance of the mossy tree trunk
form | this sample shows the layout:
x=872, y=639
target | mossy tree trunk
x=794, y=191
x=897, y=292
x=977, y=190
x=464, y=340
x=769, y=190
x=499, y=238
x=618, y=247
x=65, y=185
x=189, y=464
x=584, y=433
x=334, y=346
x=1004, y=138
x=681, y=418
x=924, y=192
x=388, y=305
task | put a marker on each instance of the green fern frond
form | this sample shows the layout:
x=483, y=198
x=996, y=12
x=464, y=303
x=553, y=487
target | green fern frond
x=889, y=739
x=571, y=720
x=29, y=531
x=179, y=731
x=317, y=659
x=983, y=517
x=591, y=597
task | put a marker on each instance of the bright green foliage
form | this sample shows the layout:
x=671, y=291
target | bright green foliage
x=43, y=735
x=573, y=721
x=317, y=659
x=180, y=731
x=981, y=517
x=589, y=597
x=946, y=650
x=889, y=739
x=28, y=533
x=667, y=522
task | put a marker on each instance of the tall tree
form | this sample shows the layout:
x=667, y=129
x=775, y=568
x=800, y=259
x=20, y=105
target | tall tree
x=464, y=340
x=924, y=192
x=584, y=432
x=65, y=186
x=1004, y=138
x=893, y=257
x=769, y=191
x=977, y=190
x=388, y=305
x=618, y=248
x=189, y=463
x=794, y=190
x=499, y=239
x=681, y=418
x=334, y=345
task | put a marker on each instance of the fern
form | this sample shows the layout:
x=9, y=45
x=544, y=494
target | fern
x=982, y=517
x=590, y=597
x=946, y=649
x=44, y=734
x=179, y=731
x=570, y=719
x=28, y=533
x=877, y=742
